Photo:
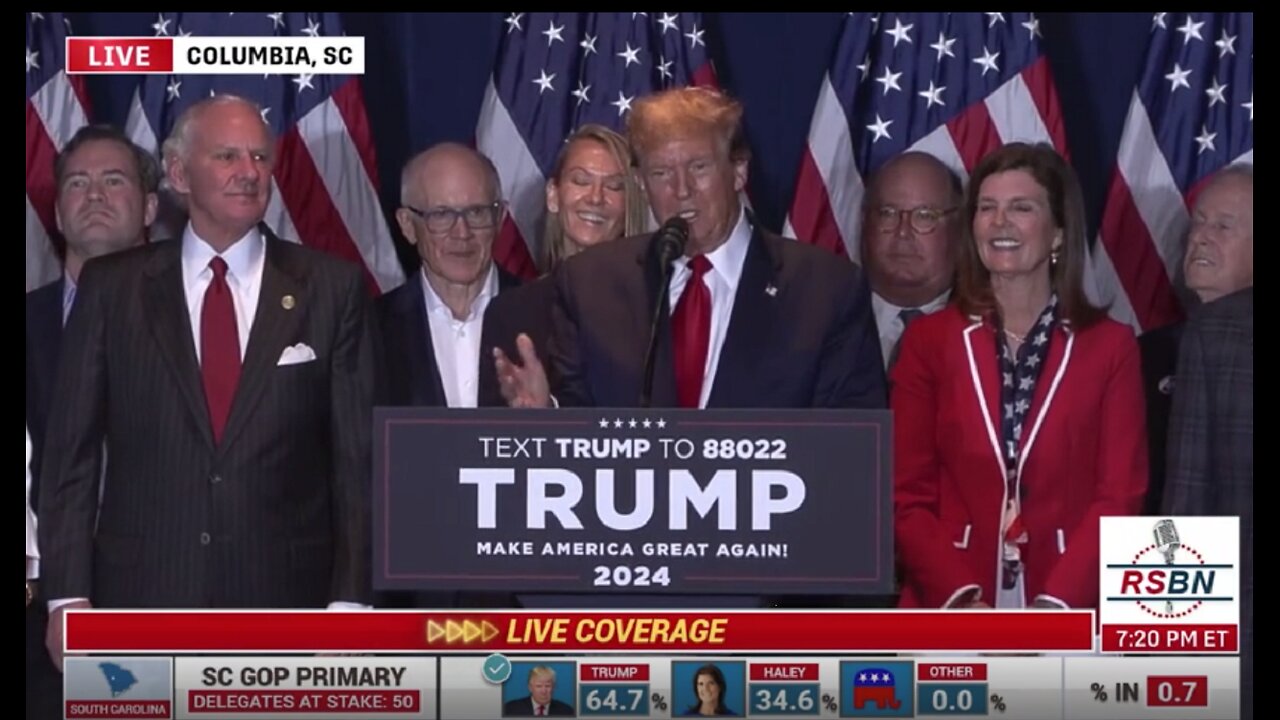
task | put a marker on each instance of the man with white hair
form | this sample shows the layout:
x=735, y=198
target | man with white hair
x=1218, y=262
x=231, y=375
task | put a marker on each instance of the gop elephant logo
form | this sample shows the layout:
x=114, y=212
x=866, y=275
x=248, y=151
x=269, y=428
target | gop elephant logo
x=875, y=685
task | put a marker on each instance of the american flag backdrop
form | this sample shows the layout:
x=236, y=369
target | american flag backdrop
x=325, y=193
x=956, y=85
x=1190, y=116
x=556, y=71
x=57, y=106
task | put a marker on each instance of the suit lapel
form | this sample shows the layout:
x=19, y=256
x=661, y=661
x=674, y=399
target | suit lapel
x=165, y=305
x=275, y=326
x=755, y=311
x=664, y=372
x=487, y=376
x=984, y=373
x=426, y=389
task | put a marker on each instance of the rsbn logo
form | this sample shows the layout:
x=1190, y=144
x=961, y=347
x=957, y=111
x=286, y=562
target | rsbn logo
x=1171, y=578
x=1174, y=569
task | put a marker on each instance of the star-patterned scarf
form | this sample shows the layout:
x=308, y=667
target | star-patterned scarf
x=1017, y=389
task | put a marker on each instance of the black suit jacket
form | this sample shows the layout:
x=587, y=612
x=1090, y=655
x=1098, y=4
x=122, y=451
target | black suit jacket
x=1211, y=439
x=278, y=514
x=43, y=348
x=526, y=309
x=802, y=333
x=43, y=342
x=523, y=707
x=412, y=374
x=1159, y=349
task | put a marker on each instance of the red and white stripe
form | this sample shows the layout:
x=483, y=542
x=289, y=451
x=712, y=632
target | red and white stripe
x=826, y=207
x=54, y=114
x=1141, y=238
x=518, y=242
x=326, y=171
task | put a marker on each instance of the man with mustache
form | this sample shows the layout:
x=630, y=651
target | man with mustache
x=106, y=198
x=231, y=376
x=910, y=229
x=756, y=320
x=1218, y=262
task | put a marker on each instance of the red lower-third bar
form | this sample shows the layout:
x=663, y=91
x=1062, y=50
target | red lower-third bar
x=578, y=631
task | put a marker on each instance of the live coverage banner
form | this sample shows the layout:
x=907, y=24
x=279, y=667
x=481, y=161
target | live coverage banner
x=671, y=501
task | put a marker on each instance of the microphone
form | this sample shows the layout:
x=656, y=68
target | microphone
x=1167, y=542
x=670, y=240
x=667, y=245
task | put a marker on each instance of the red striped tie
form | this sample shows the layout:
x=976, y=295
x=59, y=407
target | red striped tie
x=691, y=334
x=219, y=348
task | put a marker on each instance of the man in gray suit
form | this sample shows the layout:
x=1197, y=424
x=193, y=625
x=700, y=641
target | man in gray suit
x=1218, y=261
x=231, y=375
x=1211, y=439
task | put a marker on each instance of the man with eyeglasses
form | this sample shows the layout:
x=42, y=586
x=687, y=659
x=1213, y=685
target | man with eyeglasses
x=451, y=209
x=909, y=238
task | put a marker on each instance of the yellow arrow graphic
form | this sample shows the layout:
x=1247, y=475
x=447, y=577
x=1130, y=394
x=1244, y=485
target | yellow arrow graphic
x=434, y=631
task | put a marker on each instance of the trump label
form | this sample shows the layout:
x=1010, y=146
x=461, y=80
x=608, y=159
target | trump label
x=118, y=687
x=1170, y=584
x=305, y=687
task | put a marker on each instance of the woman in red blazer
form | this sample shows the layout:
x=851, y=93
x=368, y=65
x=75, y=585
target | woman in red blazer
x=1018, y=410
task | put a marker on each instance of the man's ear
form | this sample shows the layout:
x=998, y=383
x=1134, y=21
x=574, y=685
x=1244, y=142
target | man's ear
x=151, y=206
x=740, y=173
x=176, y=172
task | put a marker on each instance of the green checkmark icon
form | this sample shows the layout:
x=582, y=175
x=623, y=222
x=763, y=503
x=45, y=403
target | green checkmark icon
x=497, y=668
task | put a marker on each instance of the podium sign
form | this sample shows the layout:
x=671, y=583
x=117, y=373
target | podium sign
x=633, y=501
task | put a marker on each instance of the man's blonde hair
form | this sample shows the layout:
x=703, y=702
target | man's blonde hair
x=687, y=112
x=542, y=671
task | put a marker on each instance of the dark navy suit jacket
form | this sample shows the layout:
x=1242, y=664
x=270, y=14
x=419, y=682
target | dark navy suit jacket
x=802, y=333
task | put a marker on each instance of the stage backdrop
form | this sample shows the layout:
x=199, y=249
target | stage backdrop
x=428, y=75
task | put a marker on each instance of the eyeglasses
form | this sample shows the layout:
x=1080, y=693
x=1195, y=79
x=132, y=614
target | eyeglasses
x=441, y=220
x=923, y=220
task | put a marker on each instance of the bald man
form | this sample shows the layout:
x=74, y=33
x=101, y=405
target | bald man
x=910, y=233
x=451, y=209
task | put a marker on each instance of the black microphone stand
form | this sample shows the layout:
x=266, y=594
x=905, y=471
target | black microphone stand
x=650, y=355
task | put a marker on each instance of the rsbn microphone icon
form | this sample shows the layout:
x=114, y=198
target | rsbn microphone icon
x=1167, y=543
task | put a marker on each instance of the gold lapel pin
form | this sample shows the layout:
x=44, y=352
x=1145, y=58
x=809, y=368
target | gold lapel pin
x=287, y=302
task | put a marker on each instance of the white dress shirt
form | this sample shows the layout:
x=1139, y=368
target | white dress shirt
x=33, y=549
x=245, y=261
x=722, y=280
x=890, y=325
x=456, y=343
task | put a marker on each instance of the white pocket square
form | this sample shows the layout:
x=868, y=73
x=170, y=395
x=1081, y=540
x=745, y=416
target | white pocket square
x=297, y=354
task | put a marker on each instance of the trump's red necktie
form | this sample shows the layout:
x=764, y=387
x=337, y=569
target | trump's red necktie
x=219, y=348
x=691, y=333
